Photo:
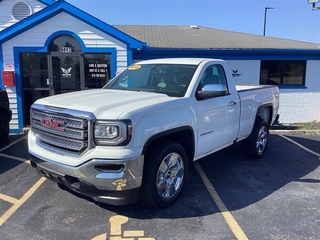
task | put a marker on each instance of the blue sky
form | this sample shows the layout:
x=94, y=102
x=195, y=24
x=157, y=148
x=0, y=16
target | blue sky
x=291, y=19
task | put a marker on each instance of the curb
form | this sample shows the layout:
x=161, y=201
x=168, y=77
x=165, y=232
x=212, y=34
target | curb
x=296, y=132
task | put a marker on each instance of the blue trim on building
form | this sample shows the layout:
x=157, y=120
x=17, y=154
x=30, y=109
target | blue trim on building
x=1, y=67
x=63, y=32
x=62, y=6
x=47, y=2
x=129, y=57
x=16, y=131
x=111, y=51
x=291, y=87
x=18, y=82
x=229, y=54
x=17, y=68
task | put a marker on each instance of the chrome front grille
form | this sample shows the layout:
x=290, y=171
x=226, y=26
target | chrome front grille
x=63, y=133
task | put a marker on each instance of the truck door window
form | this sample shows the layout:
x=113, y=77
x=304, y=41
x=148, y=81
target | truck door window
x=214, y=74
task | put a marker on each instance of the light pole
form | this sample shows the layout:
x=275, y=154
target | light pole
x=265, y=19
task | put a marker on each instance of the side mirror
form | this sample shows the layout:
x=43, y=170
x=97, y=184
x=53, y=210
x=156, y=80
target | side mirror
x=213, y=90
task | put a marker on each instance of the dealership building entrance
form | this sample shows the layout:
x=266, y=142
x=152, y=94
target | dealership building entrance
x=65, y=68
x=56, y=48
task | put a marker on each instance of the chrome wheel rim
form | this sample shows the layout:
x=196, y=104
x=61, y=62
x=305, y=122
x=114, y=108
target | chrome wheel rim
x=262, y=139
x=170, y=176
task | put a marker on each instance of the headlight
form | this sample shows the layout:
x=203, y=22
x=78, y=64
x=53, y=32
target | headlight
x=112, y=133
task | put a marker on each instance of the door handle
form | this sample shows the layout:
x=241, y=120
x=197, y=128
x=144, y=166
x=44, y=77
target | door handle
x=232, y=103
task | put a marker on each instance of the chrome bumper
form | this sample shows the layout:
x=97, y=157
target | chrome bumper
x=115, y=182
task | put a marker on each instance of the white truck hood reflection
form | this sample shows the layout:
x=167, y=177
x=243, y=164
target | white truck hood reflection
x=105, y=103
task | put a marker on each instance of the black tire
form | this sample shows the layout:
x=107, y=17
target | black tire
x=165, y=173
x=256, y=144
x=4, y=126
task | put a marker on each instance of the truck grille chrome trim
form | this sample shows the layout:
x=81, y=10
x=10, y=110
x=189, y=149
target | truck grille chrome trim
x=61, y=132
x=60, y=142
x=72, y=133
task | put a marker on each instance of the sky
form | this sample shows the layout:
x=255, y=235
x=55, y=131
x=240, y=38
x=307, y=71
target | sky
x=290, y=19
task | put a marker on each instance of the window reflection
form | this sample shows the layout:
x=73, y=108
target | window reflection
x=97, y=70
x=65, y=44
x=290, y=73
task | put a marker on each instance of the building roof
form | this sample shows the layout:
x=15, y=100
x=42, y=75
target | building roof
x=55, y=8
x=198, y=37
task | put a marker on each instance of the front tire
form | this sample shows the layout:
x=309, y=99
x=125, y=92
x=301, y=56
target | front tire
x=4, y=126
x=256, y=144
x=165, y=173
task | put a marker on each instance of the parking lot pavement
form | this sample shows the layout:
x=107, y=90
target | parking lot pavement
x=275, y=197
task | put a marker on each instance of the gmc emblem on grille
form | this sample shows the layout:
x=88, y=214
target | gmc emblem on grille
x=57, y=125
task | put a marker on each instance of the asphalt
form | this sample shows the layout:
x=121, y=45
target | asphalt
x=275, y=197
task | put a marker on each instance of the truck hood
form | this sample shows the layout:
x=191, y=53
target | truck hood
x=105, y=103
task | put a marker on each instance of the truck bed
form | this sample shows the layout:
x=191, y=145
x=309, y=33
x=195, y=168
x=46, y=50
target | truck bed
x=242, y=88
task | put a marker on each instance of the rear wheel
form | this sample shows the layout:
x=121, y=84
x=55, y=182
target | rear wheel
x=256, y=144
x=165, y=174
x=4, y=126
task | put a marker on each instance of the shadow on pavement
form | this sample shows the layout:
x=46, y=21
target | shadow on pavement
x=238, y=180
x=18, y=149
x=311, y=142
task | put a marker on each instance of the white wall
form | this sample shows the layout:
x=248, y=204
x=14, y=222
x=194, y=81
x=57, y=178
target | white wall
x=6, y=19
x=296, y=104
x=302, y=105
x=91, y=37
x=249, y=71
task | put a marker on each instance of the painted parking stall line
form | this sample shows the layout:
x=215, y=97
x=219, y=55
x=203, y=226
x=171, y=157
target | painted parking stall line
x=299, y=145
x=234, y=226
x=8, y=199
x=17, y=203
x=13, y=143
x=15, y=158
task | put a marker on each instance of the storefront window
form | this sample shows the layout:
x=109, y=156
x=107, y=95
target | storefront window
x=65, y=44
x=97, y=70
x=289, y=73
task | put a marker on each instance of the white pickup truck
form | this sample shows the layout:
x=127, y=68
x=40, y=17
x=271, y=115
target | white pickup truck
x=135, y=138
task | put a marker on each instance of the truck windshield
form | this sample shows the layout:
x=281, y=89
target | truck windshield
x=170, y=79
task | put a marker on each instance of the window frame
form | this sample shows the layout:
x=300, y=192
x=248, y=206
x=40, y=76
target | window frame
x=281, y=65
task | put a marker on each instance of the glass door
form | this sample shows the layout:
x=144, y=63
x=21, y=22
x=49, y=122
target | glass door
x=34, y=77
x=65, y=72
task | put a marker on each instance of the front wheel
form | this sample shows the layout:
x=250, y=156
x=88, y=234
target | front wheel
x=256, y=144
x=165, y=174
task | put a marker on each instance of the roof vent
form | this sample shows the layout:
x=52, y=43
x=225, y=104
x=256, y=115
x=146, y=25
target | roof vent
x=21, y=10
x=194, y=26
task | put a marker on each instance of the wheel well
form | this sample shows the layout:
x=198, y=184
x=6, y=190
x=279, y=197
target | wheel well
x=183, y=137
x=265, y=112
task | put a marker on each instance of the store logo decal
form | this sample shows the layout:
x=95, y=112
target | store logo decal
x=66, y=73
x=235, y=73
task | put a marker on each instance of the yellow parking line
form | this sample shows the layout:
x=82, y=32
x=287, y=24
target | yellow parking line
x=21, y=201
x=8, y=199
x=234, y=226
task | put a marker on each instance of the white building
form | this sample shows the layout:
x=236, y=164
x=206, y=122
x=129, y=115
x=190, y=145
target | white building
x=50, y=47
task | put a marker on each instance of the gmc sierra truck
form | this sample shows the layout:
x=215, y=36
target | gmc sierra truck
x=135, y=138
x=5, y=115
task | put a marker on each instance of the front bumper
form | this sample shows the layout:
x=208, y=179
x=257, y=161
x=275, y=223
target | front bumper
x=114, y=182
